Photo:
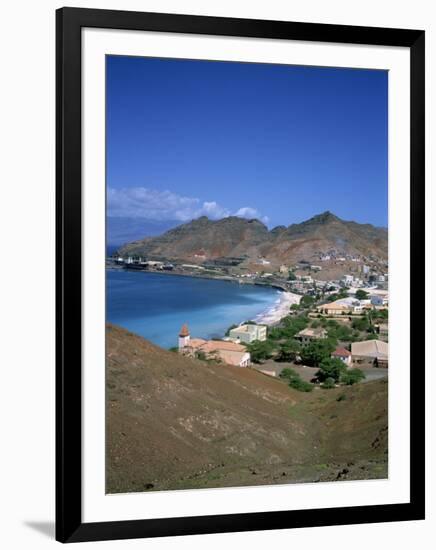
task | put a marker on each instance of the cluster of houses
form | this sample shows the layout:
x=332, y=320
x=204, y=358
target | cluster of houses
x=230, y=351
x=233, y=351
x=350, y=305
x=223, y=351
x=369, y=353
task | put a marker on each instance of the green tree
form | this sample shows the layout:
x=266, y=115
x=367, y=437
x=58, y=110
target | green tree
x=260, y=351
x=317, y=351
x=307, y=301
x=352, y=376
x=361, y=294
x=331, y=368
x=288, y=351
x=275, y=333
x=292, y=276
x=361, y=324
x=291, y=325
x=380, y=314
x=340, y=332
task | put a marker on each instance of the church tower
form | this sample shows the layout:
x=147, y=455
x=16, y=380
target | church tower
x=184, y=337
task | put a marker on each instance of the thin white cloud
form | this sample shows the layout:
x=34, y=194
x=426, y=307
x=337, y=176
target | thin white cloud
x=150, y=204
x=250, y=213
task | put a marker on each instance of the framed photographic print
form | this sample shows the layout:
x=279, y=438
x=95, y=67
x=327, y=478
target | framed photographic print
x=240, y=310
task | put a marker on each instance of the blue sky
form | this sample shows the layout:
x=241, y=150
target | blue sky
x=280, y=143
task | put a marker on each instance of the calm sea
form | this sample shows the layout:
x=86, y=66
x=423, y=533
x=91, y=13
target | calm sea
x=156, y=305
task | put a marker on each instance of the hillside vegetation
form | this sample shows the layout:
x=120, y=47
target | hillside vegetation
x=178, y=423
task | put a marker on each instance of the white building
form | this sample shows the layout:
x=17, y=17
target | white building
x=248, y=333
x=348, y=280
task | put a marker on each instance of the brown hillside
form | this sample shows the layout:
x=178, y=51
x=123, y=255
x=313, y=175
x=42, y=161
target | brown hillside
x=173, y=422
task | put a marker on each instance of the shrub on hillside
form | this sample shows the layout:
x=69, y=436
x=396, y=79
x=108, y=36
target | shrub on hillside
x=288, y=373
x=295, y=381
x=352, y=376
x=328, y=384
x=300, y=385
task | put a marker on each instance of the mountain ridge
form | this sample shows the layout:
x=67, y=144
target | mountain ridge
x=203, y=239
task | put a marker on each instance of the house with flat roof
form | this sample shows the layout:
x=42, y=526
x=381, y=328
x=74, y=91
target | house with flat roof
x=307, y=335
x=248, y=333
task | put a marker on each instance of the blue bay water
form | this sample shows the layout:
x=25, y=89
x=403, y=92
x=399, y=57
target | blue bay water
x=156, y=305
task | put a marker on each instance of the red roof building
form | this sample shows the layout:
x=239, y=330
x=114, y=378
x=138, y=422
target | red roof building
x=342, y=354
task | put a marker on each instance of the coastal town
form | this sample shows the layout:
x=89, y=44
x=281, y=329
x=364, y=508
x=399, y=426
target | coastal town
x=321, y=333
x=336, y=270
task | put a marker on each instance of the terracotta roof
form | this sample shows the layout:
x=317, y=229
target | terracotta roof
x=228, y=352
x=341, y=352
x=209, y=346
x=232, y=357
x=184, y=331
x=213, y=345
x=196, y=342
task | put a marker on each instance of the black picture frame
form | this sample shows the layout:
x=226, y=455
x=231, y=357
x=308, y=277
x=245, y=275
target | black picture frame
x=69, y=525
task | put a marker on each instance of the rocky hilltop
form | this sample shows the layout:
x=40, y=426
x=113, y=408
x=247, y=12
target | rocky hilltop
x=180, y=423
x=205, y=240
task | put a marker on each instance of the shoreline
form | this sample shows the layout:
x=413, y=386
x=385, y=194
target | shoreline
x=228, y=278
x=280, y=309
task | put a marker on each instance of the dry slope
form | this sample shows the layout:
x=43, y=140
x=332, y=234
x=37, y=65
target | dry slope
x=173, y=422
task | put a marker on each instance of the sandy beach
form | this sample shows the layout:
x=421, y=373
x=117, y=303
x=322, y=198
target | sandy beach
x=280, y=309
